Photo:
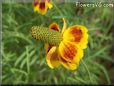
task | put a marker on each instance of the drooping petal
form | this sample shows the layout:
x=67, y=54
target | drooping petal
x=49, y=4
x=43, y=7
x=77, y=34
x=36, y=5
x=70, y=52
x=54, y=26
x=68, y=65
x=47, y=47
x=52, y=58
x=64, y=26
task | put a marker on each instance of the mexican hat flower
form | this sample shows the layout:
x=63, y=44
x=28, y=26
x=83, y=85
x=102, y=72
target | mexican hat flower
x=65, y=47
x=41, y=6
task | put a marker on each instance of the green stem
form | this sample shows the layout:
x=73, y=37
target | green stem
x=87, y=70
x=58, y=10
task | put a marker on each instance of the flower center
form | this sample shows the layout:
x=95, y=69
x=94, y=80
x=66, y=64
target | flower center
x=45, y=34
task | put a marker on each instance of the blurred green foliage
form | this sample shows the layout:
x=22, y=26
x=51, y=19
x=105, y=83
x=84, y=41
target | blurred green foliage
x=23, y=58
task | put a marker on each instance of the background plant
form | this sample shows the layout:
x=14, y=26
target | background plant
x=23, y=58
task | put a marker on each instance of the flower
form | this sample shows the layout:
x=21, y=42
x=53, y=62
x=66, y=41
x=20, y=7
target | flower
x=42, y=6
x=62, y=47
x=70, y=50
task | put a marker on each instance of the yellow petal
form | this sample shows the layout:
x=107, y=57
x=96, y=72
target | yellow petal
x=42, y=8
x=64, y=26
x=35, y=5
x=77, y=34
x=54, y=26
x=35, y=8
x=52, y=58
x=69, y=65
x=70, y=52
x=48, y=47
x=50, y=5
